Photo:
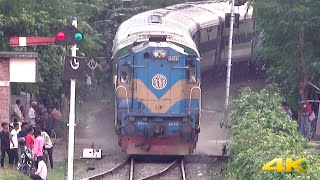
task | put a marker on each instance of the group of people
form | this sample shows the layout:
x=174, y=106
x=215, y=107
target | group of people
x=37, y=116
x=34, y=139
x=307, y=124
x=31, y=130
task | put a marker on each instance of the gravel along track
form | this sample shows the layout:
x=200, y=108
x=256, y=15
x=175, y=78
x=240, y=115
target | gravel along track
x=120, y=171
x=204, y=167
x=108, y=163
x=195, y=168
x=147, y=171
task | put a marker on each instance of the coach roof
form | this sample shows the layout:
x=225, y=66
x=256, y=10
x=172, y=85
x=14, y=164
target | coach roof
x=178, y=22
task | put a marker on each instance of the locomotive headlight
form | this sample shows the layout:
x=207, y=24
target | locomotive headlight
x=163, y=54
x=130, y=128
x=159, y=53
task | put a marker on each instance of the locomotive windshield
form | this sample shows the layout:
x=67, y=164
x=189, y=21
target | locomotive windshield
x=191, y=73
x=125, y=73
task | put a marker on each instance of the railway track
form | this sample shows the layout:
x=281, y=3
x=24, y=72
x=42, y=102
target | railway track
x=108, y=172
x=131, y=175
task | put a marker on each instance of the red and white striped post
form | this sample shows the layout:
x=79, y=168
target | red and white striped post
x=31, y=41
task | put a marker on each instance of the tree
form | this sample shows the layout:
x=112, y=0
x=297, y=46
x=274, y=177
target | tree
x=289, y=31
x=44, y=18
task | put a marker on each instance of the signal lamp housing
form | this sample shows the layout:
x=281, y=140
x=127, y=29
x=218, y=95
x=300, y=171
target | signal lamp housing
x=69, y=35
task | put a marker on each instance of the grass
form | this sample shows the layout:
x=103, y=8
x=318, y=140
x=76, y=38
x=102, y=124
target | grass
x=217, y=172
x=7, y=174
x=60, y=169
x=81, y=166
x=56, y=174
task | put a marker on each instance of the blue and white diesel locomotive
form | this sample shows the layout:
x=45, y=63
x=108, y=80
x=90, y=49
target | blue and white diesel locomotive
x=157, y=78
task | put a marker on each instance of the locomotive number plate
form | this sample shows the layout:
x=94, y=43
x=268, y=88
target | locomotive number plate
x=173, y=124
x=142, y=123
x=173, y=58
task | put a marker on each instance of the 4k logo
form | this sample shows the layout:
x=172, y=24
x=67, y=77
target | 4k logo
x=289, y=165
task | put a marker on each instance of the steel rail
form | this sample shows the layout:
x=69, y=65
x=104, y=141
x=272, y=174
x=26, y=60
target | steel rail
x=110, y=171
x=183, y=172
x=131, y=169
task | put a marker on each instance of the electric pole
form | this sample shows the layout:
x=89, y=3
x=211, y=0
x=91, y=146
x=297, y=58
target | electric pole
x=226, y=108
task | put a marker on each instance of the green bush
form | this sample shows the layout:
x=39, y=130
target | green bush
x=12, y=175
x=261, y=132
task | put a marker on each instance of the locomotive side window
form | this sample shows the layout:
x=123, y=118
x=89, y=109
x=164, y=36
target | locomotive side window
x=191, y=74
x=146, y=55
x=125, y=73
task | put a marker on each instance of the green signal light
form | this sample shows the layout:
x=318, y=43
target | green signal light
x=78, y=36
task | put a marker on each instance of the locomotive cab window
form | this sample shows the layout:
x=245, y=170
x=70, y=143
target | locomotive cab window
x=146, y=55
x=191, y=74
x=125, y=73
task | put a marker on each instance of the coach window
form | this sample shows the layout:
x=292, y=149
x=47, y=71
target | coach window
x=125, y=73
x=191, y=74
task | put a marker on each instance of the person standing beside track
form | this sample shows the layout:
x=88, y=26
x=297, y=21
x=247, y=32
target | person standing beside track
x=5, y=142
x=47, y=119
x=17, y=111
x=23, y=113
x=30, y=138
x=47, y=145
x=32, y=114
x=37, y=149
x=24, y=130
x=286, y=108
x=14, y=157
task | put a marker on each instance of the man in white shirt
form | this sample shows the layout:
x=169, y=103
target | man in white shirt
x=41, y=173
x=47, y=145
x=13, y=157
x=17, y=111
x=32, y=114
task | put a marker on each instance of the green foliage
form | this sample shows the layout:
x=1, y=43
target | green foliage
x=289, y=34
x=261, y=132
x=44, y=18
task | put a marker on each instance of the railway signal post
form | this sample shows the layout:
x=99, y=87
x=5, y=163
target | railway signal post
x=69, y=35
x=72, y=111
x=226, y=109
x=232, y=25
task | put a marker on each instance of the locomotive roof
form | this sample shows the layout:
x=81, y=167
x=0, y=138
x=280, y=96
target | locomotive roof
x=179, y=22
